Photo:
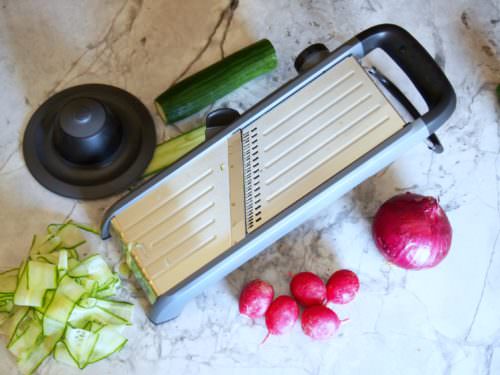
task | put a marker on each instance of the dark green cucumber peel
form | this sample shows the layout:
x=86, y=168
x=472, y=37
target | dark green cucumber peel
x=136, y=270
x=168, y=152
x=212, y=83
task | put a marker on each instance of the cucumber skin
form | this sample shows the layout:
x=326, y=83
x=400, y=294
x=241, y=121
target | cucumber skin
x=136, y=271
x=141, y=279
x=212, y=83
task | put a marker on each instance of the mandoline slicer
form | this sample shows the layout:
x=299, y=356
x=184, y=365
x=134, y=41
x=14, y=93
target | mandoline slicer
x=309, y=142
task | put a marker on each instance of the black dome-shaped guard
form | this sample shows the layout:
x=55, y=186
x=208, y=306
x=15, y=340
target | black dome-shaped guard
x=89, y=141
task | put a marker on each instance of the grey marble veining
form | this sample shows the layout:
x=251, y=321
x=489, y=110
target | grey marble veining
x=440, y=321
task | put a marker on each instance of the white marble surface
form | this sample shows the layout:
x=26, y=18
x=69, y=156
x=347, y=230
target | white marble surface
x=440, y=321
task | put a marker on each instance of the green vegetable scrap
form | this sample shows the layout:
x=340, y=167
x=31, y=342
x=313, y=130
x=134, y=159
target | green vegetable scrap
x=170, y=151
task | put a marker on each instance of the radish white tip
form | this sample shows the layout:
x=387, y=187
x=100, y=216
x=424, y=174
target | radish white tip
x=265, y=338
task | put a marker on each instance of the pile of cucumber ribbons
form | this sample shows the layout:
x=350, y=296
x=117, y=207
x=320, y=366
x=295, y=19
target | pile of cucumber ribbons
x=56, y=303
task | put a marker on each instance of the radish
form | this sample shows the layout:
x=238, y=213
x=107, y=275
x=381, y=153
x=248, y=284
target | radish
x=319, y=322
x=308, y=289
x=342, y=287
x=255, y=298
x=281, y=315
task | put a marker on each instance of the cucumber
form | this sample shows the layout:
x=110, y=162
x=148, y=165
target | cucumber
x=6, y=298
x=173, y=149
x=8, y=282
x=21, y=327
x=44, y=245
x=69, y=234
x=124, y=270
x=26, y=296
x=90, y=286
x=41, y=349
x=9, y=326
x=95, y=326
x=62, y=355
x=87, y=228
x=109, y=289
x=38, y=314
x=41, y=275
x=52, y=258
x=80, y=344
x=3, y=317
x=67, y=294
x=62, y=264
x=80, y=316
x=87, y=302
x=212, y=83
x=51, y=326
x=95, y=268
x=54, y=228
x=6, y=305
x=72, y=261
x=123, y=310
x=109, y=341
x=24, y=341
x=47, y=298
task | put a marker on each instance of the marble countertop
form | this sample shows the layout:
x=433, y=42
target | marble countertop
x=440, y=321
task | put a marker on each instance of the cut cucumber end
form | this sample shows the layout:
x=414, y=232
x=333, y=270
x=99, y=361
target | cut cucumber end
x=161, y=112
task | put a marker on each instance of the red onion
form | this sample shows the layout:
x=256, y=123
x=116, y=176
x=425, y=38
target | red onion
x=412, y=231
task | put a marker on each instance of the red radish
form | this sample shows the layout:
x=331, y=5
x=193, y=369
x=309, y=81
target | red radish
x=342, y=287
x=319, y=322
x=281, y=315
x=308, y=289
x=255, y=298
x=412, y=231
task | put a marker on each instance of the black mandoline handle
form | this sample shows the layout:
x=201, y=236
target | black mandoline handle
x=420, y=67
x=432, y=141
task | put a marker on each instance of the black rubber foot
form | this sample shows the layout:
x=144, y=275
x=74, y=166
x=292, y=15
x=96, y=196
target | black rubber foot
x=311, y=56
